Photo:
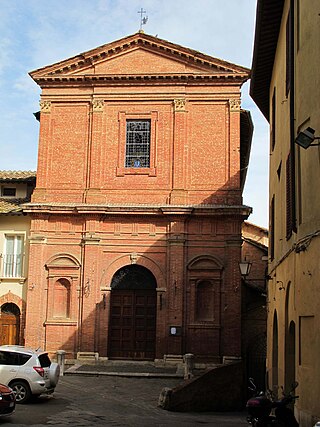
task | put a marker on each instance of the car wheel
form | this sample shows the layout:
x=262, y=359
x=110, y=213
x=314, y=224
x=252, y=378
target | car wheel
x=21, y=391
x=54, y=373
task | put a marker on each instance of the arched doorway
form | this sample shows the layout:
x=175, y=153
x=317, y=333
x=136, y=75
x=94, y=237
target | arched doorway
x=132, y=325
x=290, y=356
x=274, y=377
x=9, y=324
x=290, y=343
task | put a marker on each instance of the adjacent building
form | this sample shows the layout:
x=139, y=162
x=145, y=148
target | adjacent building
x=136, y=217
x=286, y=87
x=254, y=293
x=15, y=190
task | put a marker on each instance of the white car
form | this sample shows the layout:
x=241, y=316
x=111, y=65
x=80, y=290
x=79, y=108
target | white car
x=28, y=372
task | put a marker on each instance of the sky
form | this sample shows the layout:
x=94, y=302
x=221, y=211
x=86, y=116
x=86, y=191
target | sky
x=36, y=33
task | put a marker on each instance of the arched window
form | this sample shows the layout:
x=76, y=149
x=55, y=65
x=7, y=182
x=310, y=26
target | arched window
x=61, y=301
x=205, y=296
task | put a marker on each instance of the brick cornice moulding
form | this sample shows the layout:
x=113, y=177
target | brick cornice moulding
x=169, y=210
x=35, y=239
x=220, y=79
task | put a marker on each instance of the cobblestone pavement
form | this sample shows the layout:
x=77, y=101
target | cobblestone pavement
x=111, y=401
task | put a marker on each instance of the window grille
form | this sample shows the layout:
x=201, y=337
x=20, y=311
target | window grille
x=138, y=144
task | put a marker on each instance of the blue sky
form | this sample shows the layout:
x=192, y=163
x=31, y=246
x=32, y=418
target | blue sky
x=36, y=33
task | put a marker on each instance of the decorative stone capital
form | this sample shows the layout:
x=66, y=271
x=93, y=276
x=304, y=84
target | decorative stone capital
x=179, y=105
x=234, y=104
x=97, y=105
x=45, y=106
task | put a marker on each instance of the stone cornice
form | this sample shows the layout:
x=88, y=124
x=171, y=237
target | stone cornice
x=175, y=210
x=152, y=79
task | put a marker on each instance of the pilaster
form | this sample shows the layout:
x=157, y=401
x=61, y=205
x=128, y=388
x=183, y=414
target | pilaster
x=234, y=142
x=178, y=194
x=175, y=288
x=96, y=141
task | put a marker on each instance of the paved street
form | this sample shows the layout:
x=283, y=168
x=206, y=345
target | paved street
x=111, y=401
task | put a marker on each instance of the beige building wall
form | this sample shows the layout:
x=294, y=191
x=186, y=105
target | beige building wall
x=14, y=225
x=294, y=285
x=15, y=190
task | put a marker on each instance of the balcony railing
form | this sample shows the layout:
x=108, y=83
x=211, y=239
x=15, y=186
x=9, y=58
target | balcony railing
x=12, y=265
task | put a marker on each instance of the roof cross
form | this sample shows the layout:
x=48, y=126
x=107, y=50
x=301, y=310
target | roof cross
x=143, y=20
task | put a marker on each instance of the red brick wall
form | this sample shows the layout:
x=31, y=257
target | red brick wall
x=194, y=161
x=166, y=252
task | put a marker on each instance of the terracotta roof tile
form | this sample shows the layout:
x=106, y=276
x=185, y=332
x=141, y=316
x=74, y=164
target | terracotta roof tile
x=11, y=205
x=7, y=175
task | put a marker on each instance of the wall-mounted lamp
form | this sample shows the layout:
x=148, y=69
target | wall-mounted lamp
x=245, y=267
x=175, y=331
x=306, y=137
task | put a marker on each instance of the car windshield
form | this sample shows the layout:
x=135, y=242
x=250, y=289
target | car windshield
x=45, y=361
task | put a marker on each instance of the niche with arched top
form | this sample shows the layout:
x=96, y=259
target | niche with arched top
x=205, y=278
x=205, y=300
x=63, y=282
x=62, y=298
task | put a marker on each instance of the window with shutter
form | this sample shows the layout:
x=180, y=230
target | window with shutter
x=289, y=51
x=272, y=228
x=273, y=120
x=289, y=201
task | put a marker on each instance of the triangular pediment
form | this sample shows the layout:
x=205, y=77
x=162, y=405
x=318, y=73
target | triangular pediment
x=140, y=54
x=140, y=61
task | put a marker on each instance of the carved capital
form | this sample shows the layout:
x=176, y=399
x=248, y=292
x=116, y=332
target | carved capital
x=179, y=105
x=234, y=104
x=97, y=105
x=45, y=106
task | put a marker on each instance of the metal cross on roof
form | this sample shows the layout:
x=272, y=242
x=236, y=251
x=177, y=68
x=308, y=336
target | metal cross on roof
x=143, y=20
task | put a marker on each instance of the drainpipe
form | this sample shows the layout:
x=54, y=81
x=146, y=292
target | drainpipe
x=292, y=115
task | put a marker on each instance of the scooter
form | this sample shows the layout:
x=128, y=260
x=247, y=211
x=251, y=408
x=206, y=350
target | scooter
x=262, y=404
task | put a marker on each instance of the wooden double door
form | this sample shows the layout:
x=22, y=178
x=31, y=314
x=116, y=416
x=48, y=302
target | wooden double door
x=132, y=327
x=9, y=329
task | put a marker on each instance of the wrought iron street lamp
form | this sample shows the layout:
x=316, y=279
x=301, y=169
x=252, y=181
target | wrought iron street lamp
x=245, y=267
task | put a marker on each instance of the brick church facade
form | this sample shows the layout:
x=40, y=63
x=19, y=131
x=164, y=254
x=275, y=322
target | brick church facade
x=136, y=217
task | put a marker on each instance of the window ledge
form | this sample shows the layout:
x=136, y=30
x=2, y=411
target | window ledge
x=20, y=280
x=121, y=171
x=204, y=324
x=61, y=322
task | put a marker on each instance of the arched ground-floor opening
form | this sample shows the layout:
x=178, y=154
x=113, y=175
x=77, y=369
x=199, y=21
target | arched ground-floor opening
x=275, y=355
x=290, y=356
x=9, y=324
x=132, y=322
